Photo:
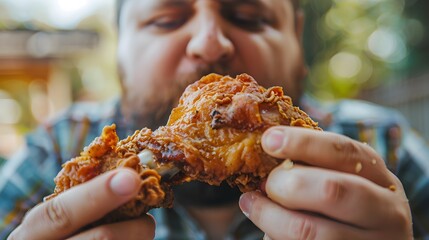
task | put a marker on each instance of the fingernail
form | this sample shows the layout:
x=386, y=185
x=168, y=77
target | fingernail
x=246, y=202
x=274, y=140
x=123, y=183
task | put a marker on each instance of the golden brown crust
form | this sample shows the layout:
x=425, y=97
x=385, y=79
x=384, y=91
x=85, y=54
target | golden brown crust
x=213, y=135
x=101, y=156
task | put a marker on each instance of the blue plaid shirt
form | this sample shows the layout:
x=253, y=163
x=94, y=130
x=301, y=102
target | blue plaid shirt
x=28, y=176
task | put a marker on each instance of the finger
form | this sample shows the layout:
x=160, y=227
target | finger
x=280, y=223
x=79, y=206
x=341, y=196
x=140, y=228
x=327, y=150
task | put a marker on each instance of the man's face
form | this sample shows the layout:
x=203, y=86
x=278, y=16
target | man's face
x=164, y=45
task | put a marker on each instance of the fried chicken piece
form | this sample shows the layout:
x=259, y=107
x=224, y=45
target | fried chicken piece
x=213, y=135
x=102, y=156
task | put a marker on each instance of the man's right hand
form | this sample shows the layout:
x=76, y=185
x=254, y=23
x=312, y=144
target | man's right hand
x=65, y=215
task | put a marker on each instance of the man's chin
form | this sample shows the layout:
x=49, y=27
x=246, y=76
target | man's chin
x=198, y=194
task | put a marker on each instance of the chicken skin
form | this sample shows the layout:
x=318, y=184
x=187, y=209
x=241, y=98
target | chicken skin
x=213, y=135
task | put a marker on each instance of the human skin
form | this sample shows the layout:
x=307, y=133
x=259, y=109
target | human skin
x=328, y=197
x=65, y=216
x=163, y=45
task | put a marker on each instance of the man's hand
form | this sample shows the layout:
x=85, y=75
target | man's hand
x=341, y=190
x=65, y=215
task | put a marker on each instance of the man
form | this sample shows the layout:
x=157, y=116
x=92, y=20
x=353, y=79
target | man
x=343, y=191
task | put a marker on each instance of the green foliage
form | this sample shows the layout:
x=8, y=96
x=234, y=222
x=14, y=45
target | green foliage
x=356, y=44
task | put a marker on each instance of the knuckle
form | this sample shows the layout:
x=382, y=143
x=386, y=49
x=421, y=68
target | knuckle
x=302, y=229
x=57, y=215
x=333, y=192
x=403, y=217
x=348, y=149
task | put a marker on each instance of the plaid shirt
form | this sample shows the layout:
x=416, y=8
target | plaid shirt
x=28, y=176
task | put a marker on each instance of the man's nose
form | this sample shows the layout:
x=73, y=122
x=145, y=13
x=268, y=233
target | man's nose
x=209, y=43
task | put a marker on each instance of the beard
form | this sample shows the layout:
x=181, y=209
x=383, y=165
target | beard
x=199, y=194
x=153, y=109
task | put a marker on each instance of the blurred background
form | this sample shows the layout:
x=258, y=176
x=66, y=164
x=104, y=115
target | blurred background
x=55, y=52
x=52, y=53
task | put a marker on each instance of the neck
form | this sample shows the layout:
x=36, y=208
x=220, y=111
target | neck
x=215, y=221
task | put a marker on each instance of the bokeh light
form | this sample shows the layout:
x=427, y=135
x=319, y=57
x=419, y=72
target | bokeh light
x=351, y=46
x=11, y=111
x=52, y=53
x=387, y=45
x=345, y=65
x=360, y=44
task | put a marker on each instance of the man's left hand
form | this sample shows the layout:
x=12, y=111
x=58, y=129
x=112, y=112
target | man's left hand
x=337, y=189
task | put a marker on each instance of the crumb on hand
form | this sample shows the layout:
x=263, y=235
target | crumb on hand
x=358, y=167
x=287, y=164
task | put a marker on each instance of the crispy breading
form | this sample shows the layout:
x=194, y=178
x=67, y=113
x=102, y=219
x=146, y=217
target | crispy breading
x=213, y=135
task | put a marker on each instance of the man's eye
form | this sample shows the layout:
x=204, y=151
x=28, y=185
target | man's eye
x=168, y=23
x=249, y=22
